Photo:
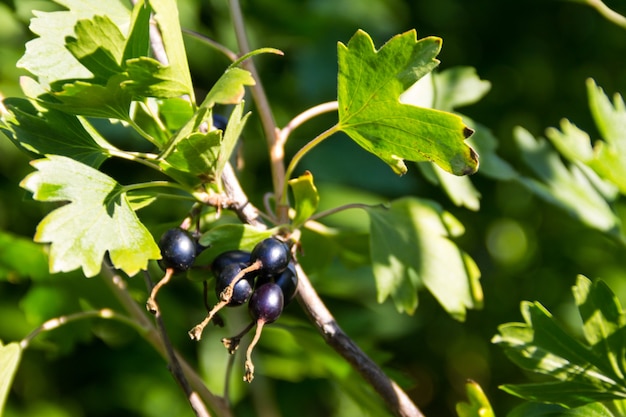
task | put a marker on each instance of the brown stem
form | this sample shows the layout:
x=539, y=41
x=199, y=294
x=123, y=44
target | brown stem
x=175, y=368
x=397, y=400
x=275, y=146
x=200, y=392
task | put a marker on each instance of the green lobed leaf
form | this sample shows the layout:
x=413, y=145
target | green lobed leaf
x=478, y=404
x=460, y=190
x=610, y=118
x=584, y=374
x=306, y=198
x=569, y=189
x=94, y=100
x=604, y=323
x=197, y=154
x=96, y=219
x=138, y=40
x=553, y=410
x=236, y=123
x=457, y=87
x=566, y=393
x=46, y=56
x=21, y=258
x=10, y=356
x=98, y=45
x=411, y=248
x=370, y=83
x=147, y=77
x=574, y=144
x=204, y=155
x=166, y=16
x=51, y=132
x=175, y=112
x=229, y=88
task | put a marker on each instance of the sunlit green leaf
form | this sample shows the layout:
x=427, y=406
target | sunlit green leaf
x=175, y=112
x=610, y=118
x=205, y=154
x=10, y=356
x=567, y=188
x=369, y=87
x=584, y=374
x=306, y=197
x=229, y=88
x=97, y=219
x=98, y=45
x=604, y=323
x=47, y=56
x=138, y=40
x=21, y=258
x=411, y=248
x=553, y=410
x=457, y=87
x=460, y=189
x=478, y=404
x=166, y=16
x=230, y=138
x=575, y=145
x=51, y=132
x=148, y=77
x=94, y=100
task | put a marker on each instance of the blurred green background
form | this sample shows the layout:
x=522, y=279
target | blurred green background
x=537, y=55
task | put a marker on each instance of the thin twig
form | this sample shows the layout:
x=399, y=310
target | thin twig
x=196, y=403
x=277, y=154
x=117, y=285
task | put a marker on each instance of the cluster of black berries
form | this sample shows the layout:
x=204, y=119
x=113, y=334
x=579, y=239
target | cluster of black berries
x=265, y=278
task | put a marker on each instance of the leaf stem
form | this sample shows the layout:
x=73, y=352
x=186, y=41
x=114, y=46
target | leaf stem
x=141, y=132
x=606, y=12
x=141, y=158
x=334, y=210
x=215, y=45
x=154, y=184
x=300, y=154
x=304, y=117
x=105, y=313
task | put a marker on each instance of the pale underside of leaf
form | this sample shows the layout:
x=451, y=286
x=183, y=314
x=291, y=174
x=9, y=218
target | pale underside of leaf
x=96, y=219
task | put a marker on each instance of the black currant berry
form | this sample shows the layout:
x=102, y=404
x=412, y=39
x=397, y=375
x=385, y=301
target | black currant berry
x=178, y=250
x=219, y=121
x=266, y=303
x=288, y=282
x=228, y=258
x=273, y=254
x=242, y=289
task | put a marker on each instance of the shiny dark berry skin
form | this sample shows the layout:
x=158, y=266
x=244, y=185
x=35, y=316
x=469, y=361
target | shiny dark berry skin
x=242, y=289
x=287, y=281
x=266, y=303
x=219, y=121
x=178, y=250
x=227, y=258
x=273, y=254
